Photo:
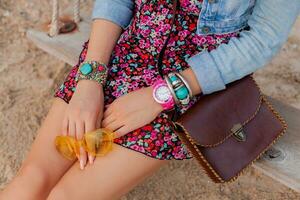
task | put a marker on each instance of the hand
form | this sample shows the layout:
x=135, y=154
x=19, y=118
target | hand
x=131, y=111
x=84, y=113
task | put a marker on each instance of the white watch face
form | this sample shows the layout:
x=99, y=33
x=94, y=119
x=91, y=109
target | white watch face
x=162, y=94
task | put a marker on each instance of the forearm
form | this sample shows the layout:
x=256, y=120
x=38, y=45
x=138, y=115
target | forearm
x=103, y=37
x=109, y=18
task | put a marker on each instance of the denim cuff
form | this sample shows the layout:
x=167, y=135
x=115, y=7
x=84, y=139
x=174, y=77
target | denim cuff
x=112, y=11
x=206, y=72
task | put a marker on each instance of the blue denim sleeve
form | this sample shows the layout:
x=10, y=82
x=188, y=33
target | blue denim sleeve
x=270, y=24
x=117, y=11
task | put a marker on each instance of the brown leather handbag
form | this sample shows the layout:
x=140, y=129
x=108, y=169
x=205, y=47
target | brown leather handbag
x=228, y=130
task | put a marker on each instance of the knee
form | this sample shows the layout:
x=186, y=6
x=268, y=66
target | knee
x=36, y=175
x=64, y=193
x=58, y=193
x=31, y=182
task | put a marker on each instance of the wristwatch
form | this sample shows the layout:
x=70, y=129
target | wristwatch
x=162, y=94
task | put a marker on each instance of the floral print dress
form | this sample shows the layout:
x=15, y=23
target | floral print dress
x=133, y=66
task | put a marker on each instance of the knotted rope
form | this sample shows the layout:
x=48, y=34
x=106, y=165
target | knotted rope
x=53, y=31
x=54, y=26
x=77, y=11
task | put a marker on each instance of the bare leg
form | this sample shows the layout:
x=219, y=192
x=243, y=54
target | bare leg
x=110, y=177
x=44, y=166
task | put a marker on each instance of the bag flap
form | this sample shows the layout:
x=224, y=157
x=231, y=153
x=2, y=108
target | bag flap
x=209, y=121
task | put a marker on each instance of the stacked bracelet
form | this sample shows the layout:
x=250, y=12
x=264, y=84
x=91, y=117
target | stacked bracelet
x=185, y=83
x=179, y=87
x=92, y=70
x=171, y=89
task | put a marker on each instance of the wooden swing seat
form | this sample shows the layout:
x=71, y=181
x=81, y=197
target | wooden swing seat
x=65, y=47
x=283, y=165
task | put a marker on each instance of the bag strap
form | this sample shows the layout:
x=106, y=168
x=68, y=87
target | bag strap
x=161, y=53
x=173, y=114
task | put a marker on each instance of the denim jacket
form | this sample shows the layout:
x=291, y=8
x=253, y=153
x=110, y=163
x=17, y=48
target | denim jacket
x=270, y=22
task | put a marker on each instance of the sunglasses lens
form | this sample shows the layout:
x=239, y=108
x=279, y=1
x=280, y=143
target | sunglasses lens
x=66, y=146
x=99, y=142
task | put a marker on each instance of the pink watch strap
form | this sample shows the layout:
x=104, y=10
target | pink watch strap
x=168, y=104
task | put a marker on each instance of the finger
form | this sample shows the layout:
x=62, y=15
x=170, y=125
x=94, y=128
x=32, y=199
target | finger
x=114, y=125
x=99, y=121
x=107, y=120
x=79, y=130
x=107, y=111
x=128, y=126
x=79, y=133
x=91, y=158
x=123, y=130
x=72, y=128
x=83, y=158
x=65, y=126
x=90, y=126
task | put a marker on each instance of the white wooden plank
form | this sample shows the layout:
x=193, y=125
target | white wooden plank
x=286, y=168
x=66, y=47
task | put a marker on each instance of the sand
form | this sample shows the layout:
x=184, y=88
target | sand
x=28, y=78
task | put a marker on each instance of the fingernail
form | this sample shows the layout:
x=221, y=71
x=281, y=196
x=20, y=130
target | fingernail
x=81, y=164
x=91, y=160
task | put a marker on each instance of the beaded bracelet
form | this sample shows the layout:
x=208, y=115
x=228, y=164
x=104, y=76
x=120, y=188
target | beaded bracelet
x=92, y=70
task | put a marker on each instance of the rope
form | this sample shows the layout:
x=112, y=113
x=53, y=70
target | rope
x=77, y=11
x=54, y=26
x=53, y=31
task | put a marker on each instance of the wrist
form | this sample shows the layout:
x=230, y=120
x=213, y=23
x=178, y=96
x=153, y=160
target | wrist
x=180, y=88
x=161, y=93
x=157, y=106
x=96, y=57
x=89, y=91
x=191, y=78
x=89, y=84
x=92, y=70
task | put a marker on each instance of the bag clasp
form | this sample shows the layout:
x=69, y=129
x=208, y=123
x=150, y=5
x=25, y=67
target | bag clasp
x=238, y=132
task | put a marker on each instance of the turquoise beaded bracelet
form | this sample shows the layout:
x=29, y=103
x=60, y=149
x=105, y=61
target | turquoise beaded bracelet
x=92, y=70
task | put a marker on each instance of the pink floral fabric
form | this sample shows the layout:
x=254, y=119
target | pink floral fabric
x=133, y=66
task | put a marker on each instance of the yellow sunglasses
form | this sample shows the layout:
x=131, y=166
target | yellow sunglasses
x=98, y=143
